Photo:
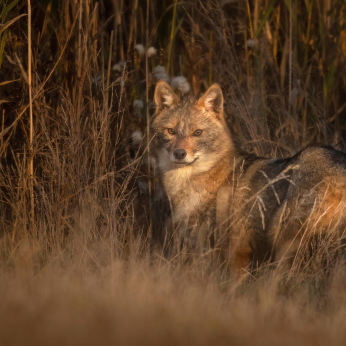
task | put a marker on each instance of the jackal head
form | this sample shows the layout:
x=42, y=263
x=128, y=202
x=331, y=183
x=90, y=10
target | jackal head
x=192, y=133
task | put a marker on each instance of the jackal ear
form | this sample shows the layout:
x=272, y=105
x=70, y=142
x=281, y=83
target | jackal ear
x=212, y=100
x=164, y=95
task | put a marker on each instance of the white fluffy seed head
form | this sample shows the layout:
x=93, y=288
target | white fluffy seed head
x=140, y=49
x=119, y=66
x=251, y=42
x=137, y=138
x=98, y=79
x=151, y=52
x=138, y=104
x=180, y=83
x=161, y=73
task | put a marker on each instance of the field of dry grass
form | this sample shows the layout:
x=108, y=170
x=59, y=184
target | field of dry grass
x=80, y=262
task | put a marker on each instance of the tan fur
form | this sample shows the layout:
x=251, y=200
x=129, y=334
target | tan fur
x=331, y=208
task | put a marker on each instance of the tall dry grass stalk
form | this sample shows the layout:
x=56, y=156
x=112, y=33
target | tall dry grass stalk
x=148, y=117
x=171, y=36
x=31, y=141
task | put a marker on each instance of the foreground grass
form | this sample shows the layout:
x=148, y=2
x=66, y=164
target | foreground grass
x=88, y=295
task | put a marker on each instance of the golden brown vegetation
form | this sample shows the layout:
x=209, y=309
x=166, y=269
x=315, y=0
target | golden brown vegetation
x=79, y=263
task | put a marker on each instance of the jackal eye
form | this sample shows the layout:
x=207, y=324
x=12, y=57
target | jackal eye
x=197, y=133
x=171, y=131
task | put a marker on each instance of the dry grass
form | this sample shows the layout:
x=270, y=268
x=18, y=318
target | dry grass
x=86, y=294
x=87, y=268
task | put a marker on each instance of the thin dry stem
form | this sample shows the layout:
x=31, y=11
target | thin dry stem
x=31, y=143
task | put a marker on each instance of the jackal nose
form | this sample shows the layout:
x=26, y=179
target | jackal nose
x=179, y=154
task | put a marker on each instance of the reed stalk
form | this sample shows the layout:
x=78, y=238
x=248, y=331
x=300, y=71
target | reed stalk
x=31, y=125
x=148, y=118
x=171, y=36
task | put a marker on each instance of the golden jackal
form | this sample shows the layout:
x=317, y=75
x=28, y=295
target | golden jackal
x=265, y=206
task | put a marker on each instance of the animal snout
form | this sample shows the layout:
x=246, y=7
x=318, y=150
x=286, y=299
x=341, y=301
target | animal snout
x=179, y=154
